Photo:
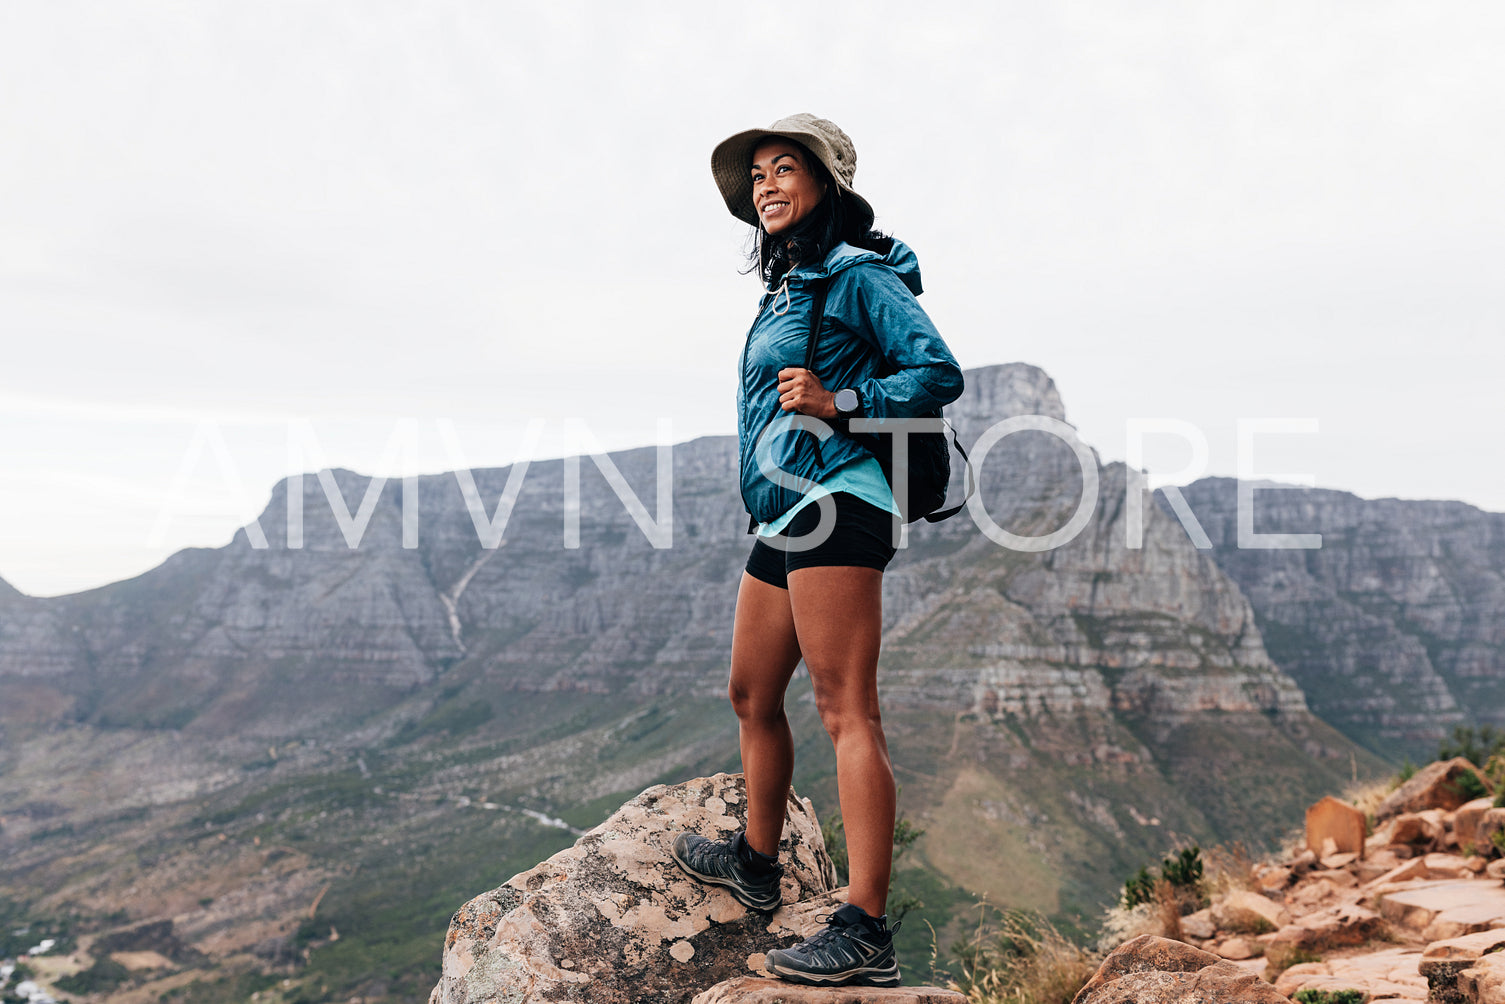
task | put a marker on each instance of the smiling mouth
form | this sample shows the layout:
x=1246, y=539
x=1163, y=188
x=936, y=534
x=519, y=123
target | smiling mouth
x=771, y=207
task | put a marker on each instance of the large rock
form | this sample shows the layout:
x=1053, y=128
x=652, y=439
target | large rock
x=1238, y=949
x=1248, y=912
x=1424, y=829
x=1435, y=786
x=1342, y=924
x=1389, y=975
x=613, y=920
x=753, y=990
x=1466, y=823
x=1151, y=970
x=1406, y=871
x=1446, y=909
x=1490, y=834
x=1330, y=819
x=1448, y=866
x=1199, y=924
x=1484, y=982
x=1444, y=960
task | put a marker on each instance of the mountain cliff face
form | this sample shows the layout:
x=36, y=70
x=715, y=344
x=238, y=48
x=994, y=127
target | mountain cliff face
x=1057, y=717
x=1393, y=626
x=1157, y=629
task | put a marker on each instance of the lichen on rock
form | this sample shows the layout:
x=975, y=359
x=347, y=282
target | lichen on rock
x=613, y=920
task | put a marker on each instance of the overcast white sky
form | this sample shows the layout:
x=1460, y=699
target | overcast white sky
x=219, y=218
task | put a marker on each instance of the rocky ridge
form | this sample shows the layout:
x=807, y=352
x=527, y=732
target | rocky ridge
x=213, y=637
x=244, y=647
x=1393, y=626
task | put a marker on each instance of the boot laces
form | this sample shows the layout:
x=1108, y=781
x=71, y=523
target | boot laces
x=831, y=932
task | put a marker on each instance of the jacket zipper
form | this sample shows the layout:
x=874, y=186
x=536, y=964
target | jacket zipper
x=746, y=397
x=747, y=344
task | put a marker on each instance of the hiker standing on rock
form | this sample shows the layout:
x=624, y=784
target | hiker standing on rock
x=838, y=336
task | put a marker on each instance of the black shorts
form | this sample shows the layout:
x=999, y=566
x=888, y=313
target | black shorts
x=863, y=536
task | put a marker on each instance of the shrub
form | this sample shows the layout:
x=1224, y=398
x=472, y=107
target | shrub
x=1312, y=996
x=1469, y=786
x=1183, y=871
x=1475, y=745
x=1139, y=889
x=833, y=833
x=105, y=975
x=1020, y=958
x=1279, y=957
x=1494, y=769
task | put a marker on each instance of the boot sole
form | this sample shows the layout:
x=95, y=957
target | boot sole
x=860, y=977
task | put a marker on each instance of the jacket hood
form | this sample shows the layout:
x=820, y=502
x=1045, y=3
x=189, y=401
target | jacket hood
x=900, y=259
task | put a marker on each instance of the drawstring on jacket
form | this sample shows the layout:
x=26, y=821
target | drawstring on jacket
x=784, y=288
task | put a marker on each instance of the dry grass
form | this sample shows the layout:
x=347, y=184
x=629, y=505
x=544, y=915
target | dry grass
x=1018, y=958
x=1228, y=867
x=1367, y=797
x=1160, y=917
x=1170, y=904
x=1124, y=923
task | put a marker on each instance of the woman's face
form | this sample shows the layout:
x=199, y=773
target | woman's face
x=785, y=190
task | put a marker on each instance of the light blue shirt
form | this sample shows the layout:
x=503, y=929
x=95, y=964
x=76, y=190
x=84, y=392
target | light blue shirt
x=863, y=478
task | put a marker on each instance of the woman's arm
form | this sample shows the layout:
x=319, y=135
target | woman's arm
x=923, y=373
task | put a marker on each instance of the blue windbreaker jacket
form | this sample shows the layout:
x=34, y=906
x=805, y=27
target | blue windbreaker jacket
x=874, y=337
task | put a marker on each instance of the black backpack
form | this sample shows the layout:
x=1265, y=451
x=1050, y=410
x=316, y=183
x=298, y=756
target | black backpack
x=929, y=453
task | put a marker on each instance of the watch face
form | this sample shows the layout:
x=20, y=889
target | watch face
x=846, y=399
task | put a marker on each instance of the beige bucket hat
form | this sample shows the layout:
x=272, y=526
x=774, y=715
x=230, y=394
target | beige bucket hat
x=822, y=137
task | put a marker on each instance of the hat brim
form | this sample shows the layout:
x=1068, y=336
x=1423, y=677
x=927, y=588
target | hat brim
x=732, y=158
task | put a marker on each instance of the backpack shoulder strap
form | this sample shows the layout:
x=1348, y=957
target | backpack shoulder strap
x=818, y=289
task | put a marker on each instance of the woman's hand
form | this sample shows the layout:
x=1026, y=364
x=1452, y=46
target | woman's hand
x=801, y=391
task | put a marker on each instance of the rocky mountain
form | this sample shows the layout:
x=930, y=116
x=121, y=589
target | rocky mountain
x=1393, y=627
x=305, y=756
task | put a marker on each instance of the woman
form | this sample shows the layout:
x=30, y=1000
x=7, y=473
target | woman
x=812, y=588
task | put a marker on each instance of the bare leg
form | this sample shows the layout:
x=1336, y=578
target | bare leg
x=838, y=614
x=765, y=653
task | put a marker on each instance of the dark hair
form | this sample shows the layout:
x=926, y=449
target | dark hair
x=828, y=224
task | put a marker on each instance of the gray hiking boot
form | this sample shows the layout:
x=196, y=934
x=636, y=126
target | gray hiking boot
x=852, y=950
x=730, y=863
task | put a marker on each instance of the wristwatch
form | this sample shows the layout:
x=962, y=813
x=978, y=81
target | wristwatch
x=848, y=402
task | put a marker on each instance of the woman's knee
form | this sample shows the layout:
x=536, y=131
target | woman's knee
x=757, y=704
x=847, y=714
